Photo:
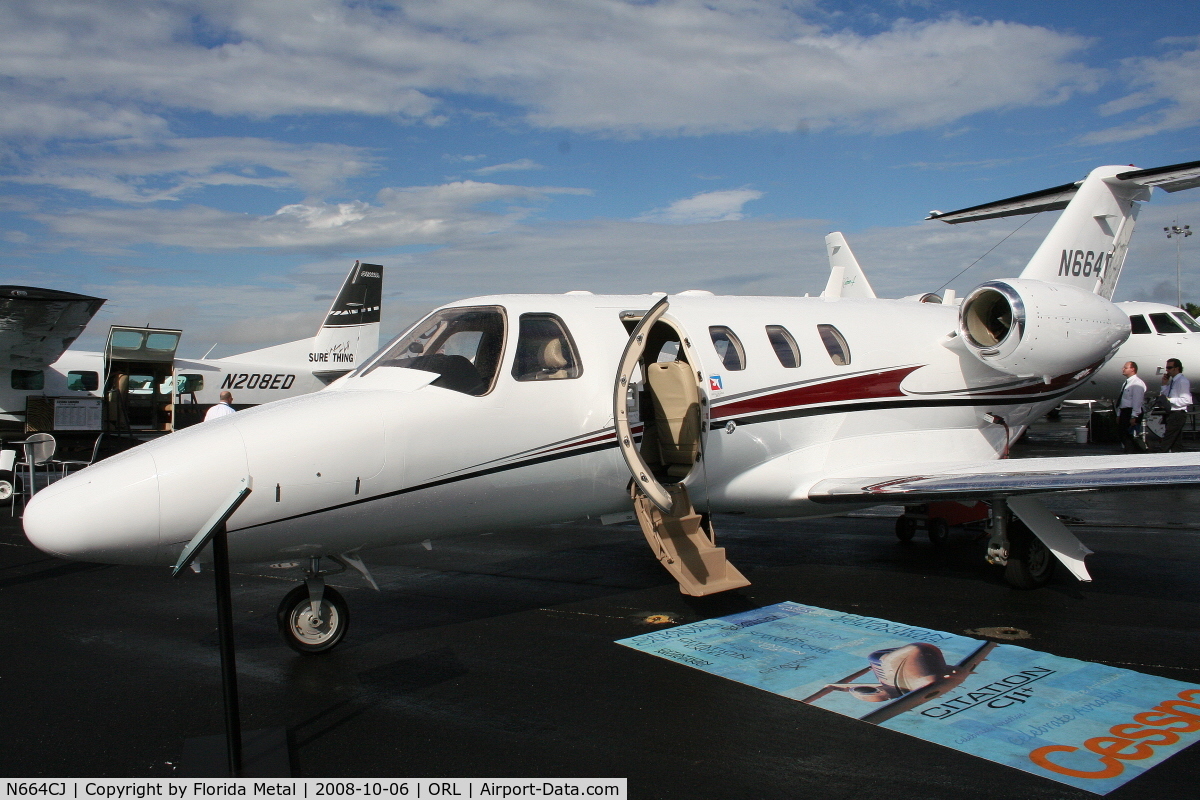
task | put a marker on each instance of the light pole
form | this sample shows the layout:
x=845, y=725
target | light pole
x=1177, y=233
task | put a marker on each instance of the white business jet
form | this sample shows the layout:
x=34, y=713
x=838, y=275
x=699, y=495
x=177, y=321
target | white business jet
x=517, y=410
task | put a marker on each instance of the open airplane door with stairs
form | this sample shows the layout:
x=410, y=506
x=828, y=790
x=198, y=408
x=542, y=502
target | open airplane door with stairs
x=657, y=395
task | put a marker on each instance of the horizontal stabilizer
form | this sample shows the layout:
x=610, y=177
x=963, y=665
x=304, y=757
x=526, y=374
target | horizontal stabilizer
x=1174, y=178
x=1054, y=199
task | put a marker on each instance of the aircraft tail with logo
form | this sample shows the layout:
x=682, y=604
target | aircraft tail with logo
x=1086, y=248
x=350, y=332
x=846, y=278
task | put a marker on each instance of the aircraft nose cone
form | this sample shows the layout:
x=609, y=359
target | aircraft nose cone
x=106, y=513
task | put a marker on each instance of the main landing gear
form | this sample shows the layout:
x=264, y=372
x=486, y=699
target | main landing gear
x=313, y=617
x=1027, y=562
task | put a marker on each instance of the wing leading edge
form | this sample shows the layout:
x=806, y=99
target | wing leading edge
x=1007, y=478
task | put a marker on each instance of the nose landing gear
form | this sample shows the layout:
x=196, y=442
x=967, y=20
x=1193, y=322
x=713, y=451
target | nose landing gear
x=313, y=618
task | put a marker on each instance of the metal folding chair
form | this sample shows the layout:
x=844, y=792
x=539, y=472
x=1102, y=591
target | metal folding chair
x=68, y=463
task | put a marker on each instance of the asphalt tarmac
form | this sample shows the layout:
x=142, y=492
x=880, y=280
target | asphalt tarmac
x=494, y=655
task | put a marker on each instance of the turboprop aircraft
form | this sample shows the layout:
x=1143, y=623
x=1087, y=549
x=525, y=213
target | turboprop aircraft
x=138, y=384
x=349, y=333
x=518, y=410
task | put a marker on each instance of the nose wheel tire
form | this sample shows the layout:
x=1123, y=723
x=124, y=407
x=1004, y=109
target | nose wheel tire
x=306, y=633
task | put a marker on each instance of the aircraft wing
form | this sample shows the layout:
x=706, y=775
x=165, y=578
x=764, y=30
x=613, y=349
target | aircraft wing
x=37, y=325
x=1172, y=178
x=1011, y=477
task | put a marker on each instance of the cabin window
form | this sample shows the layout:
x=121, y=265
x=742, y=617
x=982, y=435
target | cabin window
x=1138, y=324
x=1187, y=320
x=785, y=346
x=1165, y=323
x=28, y=380
x=728, y=347
x=835, y=343
x=545, y=351
x=83, y=381
x=162, y=341
x=462, y=345
x=188, y=383
x=141, y=384
x=668, y=352
x=126, y=340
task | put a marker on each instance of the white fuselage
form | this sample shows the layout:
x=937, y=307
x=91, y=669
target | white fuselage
x=1162, y=332
x=383, y=456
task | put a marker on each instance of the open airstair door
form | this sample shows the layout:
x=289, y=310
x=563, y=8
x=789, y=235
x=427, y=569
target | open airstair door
x=665, y=407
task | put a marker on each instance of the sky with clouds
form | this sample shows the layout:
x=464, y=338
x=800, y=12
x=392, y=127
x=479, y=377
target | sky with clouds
x=217, y=165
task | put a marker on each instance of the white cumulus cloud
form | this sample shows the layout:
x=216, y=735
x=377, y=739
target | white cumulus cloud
x=719, y=206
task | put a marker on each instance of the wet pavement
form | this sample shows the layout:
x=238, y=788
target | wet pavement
x=494, y=655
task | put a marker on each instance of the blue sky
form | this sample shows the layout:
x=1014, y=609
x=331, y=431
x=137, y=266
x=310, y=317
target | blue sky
x=217, y=165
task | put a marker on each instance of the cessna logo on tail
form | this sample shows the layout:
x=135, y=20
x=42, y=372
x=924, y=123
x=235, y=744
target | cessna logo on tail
x=1084, y=262
x=367, y=274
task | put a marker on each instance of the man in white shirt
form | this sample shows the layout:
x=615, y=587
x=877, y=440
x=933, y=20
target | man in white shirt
x=221, y=409
x=1129, y=408
x=1178, y=390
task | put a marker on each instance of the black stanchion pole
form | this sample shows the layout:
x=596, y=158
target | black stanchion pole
x=233, y=720
x=214, y=530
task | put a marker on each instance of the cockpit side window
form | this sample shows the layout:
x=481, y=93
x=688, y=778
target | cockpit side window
x=1137, y=324
x=1165, y=323
x=728, y=347
x=545, y=351
x=1187, y=320
x=835, y=343
x=462, y=345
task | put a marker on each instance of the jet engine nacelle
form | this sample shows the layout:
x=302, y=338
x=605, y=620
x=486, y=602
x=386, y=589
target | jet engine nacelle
x=1031, y=328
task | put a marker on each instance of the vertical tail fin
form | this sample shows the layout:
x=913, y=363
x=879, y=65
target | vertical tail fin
x=1086, y=247
x=846, y=278
x=350, y=332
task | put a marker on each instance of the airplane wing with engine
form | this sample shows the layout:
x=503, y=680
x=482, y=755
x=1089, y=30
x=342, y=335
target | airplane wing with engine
x=37, y=325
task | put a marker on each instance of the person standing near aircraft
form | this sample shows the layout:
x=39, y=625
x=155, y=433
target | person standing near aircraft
x=1178, y=390
x=221, y=409
x=1129, y=408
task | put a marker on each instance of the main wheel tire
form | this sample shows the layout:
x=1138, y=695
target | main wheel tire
x=7, y=487
x=1030, y=562
x=306, y=635
x=906, y=528
x=939, y=532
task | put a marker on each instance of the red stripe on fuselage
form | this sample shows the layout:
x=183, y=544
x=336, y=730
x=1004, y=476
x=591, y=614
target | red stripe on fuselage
x=871, y=386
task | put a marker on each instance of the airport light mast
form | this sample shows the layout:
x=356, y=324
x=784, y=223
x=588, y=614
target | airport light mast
x=1178, y=233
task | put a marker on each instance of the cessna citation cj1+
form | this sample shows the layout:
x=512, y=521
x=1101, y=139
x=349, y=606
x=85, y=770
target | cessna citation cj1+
x=504, y=411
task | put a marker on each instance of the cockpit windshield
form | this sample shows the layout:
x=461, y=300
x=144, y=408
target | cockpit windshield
x=462, y=345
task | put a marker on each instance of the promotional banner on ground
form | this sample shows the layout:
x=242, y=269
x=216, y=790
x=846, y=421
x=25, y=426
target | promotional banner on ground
x=1088, y=725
